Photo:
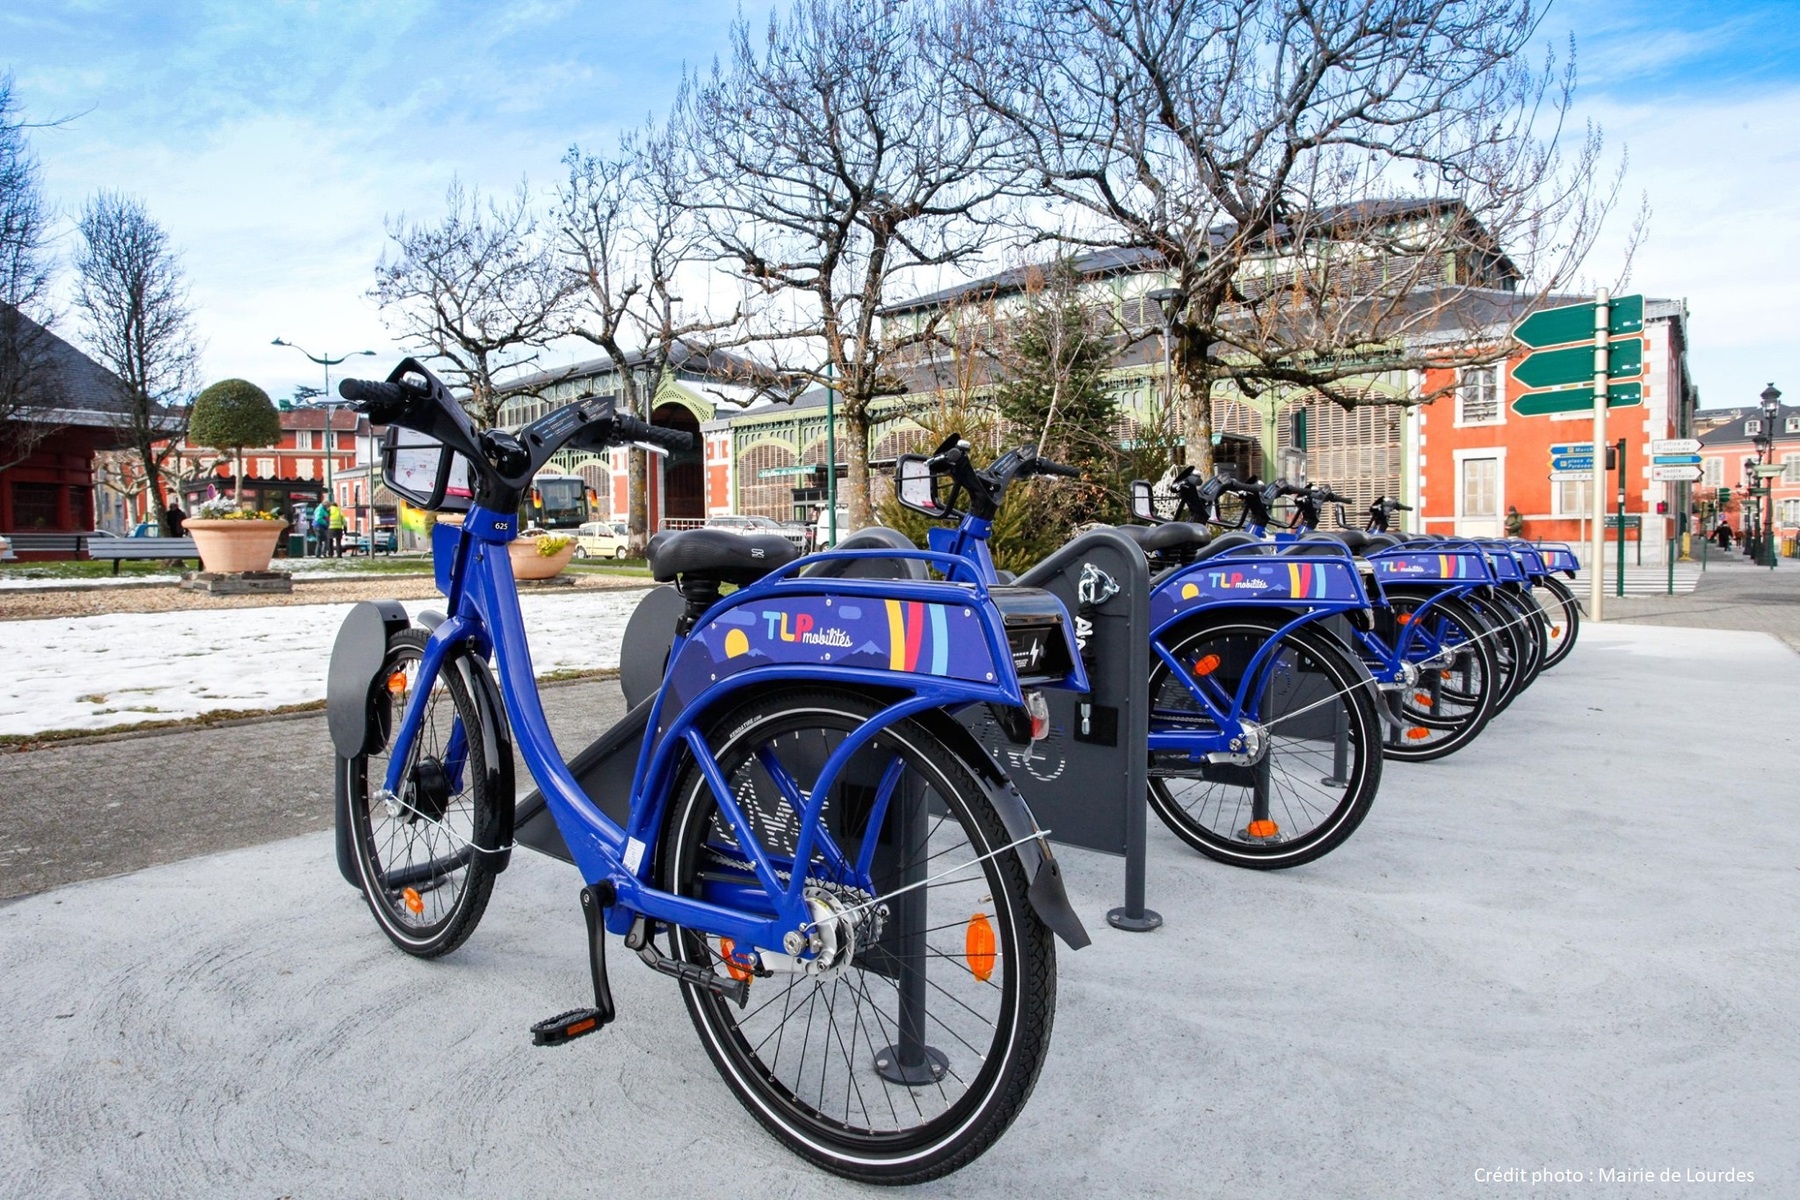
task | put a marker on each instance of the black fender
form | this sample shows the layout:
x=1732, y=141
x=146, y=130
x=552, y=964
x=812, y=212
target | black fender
x=644, y=652
x=359, y=725
x=1049, y=899
x=351, y=717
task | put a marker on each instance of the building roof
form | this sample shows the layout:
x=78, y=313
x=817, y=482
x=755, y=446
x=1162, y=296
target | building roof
x=307, y=417
x=683, y=359
x=87, y=393
x=1732, y=432
x=1106, y=263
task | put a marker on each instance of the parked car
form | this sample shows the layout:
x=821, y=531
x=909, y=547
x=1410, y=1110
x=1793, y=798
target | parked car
x=732, y=523
x=818, y=534
x=601, y=539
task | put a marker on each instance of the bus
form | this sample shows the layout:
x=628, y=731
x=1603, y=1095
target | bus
x=556, y=502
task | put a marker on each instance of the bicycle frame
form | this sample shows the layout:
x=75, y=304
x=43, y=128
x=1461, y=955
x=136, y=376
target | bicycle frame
x=485, y=620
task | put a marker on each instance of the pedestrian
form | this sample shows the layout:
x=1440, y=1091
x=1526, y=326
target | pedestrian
x=1723, y=533
x=1515, y=524
x=177, y=521
x=303, y=526
x=321, y=522
x=338, y=524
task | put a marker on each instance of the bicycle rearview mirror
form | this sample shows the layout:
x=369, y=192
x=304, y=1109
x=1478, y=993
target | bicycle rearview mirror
x=1143, y=500
x=425, y=471
x=913, y=485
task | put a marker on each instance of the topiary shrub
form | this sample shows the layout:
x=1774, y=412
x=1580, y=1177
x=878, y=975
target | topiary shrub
x=231, y=416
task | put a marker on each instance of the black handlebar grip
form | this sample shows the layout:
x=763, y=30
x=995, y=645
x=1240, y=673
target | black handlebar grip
x=382, y=401
x=631, y=429
x=1045, y=467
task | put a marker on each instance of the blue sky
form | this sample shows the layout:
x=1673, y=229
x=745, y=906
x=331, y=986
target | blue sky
x=272, y=139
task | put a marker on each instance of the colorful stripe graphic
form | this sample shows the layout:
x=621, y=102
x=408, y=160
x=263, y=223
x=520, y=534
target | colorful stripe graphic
x=906, y=636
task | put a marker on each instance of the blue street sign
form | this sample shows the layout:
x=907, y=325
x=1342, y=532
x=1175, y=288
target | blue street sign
x=1675, y=460
x=1572, y=462
x=1562, y=448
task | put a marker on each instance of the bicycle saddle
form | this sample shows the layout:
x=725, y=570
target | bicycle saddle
x=1233, y=540
x=1318, y=542
x=715, y=554
x=1172, y=535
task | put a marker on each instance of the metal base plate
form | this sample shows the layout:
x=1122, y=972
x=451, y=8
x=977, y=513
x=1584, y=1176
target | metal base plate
x=924, y=1074
x=1143, y=922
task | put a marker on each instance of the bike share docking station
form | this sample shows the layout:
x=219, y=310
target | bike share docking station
x=1087, y=780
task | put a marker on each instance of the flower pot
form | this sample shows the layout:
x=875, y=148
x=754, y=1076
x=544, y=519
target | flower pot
x=527, y=563
x=230, y=547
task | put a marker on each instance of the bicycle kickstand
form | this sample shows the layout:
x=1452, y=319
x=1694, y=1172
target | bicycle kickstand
x=566, y=1027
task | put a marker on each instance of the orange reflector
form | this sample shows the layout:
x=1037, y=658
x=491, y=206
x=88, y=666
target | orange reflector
x=728, y=952
x=1555, y=632
x=1443, y=674
x=397, y=682
x=1418, y=734
x=1263, y=829
x=415, y=903
x=1207, y=665
x=1405, y=618
x=978, y=947
x=1422, y=698
x=580, y=1027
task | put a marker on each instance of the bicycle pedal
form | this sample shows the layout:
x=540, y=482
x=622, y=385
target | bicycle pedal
x=566, y=1027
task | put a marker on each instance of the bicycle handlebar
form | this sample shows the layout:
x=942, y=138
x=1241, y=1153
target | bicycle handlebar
x=383, y=402
x=628, y=428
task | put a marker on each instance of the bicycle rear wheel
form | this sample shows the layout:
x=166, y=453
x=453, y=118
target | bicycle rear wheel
x=1452, y=701
x=418, y=854
x=1562, y=617
x=908, y=1053
x=1312, y=785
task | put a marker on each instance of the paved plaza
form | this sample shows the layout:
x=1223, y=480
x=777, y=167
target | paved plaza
x=1569, y=948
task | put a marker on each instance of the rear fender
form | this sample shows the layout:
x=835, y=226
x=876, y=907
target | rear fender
x=1049, y=899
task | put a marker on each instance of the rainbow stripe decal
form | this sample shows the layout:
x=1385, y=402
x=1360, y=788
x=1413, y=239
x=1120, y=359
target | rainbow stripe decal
x=906, y=636
x=1303, y=580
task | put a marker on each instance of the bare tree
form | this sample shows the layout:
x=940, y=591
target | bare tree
x=627, y=233
x=1332, y=189
x=133, y=299
x=480, y=291
x=30, y=385
x=838, y=171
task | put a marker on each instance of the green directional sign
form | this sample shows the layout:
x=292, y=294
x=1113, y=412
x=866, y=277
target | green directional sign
x=1574, y=364
x=1577, y=399
x=1575, y=323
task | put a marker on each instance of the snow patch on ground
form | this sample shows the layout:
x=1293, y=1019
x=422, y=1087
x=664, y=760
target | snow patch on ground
x=125, y=668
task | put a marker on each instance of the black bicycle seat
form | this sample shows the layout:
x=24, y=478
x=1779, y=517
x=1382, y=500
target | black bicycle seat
x=738, y=558
x=1171, y=535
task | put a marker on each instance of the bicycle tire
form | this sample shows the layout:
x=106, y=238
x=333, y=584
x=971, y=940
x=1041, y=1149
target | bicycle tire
x=1563, y=615
x=1440, y=716
x=418, y=859
x=888, y=1131
x=1212, y=808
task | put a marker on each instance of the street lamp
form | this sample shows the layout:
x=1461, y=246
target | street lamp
x=1170, y=300
x=329, y=405
x=1771, y=410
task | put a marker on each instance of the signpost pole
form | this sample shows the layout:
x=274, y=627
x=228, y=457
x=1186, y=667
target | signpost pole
x=1597, y=548
x=1619, y=582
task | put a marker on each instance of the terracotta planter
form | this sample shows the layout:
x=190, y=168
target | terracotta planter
x=229, y=547
x=527, y=563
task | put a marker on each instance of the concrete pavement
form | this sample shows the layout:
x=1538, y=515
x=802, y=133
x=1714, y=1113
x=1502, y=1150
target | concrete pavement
x=1569, y=948
x=1731, y=593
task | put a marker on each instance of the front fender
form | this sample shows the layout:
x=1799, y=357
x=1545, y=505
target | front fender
x=350, y=713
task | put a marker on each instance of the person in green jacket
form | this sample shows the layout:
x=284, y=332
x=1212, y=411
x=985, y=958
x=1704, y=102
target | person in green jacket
x=338, y=523
x=321, y=523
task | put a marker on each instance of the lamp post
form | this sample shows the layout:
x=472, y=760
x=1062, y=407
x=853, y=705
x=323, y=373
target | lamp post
x=329, y=405
x=1771, y=410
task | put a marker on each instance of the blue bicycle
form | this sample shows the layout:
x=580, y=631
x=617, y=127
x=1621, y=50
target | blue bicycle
x=856, y=904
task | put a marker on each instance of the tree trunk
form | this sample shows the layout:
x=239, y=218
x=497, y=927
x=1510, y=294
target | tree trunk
x=1193, y=400
x=855, y=497
x=637, y=472
x=153, y=483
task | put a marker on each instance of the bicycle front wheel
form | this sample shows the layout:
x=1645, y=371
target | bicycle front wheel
x=419, y=853
x=1562, y=616
x=1315, y=779
x=904, y=1054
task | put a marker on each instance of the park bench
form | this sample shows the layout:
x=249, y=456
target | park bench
x=67, y=545
x=120, y=549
